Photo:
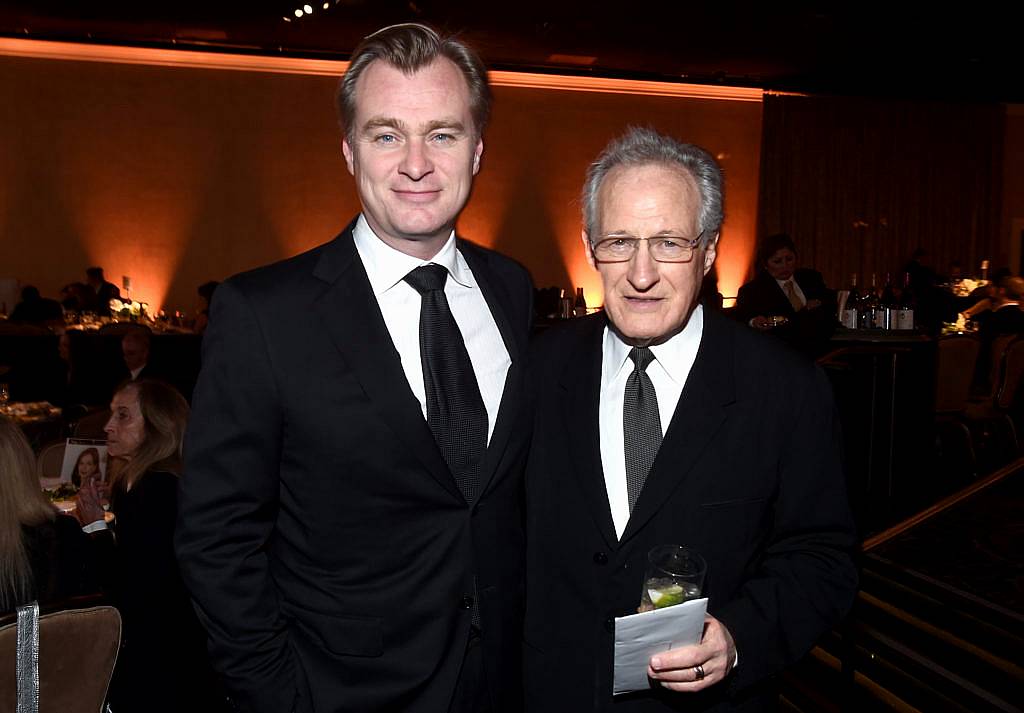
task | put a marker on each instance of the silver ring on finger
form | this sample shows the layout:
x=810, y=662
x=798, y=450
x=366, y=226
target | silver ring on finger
x=698, y=670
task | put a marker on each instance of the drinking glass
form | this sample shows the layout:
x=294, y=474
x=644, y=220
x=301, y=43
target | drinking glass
x=674, y=575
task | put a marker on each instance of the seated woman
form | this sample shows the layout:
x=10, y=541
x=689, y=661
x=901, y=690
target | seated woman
x=43, y=555
x=163, y=664
x=782, y=290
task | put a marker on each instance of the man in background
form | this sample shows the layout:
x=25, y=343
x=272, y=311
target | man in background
x=99, y=293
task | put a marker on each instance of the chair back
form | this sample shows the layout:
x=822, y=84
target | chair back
x=91, y=426
x=77, y=651
x=956, y=360
x=50, y=459
x=1012, y=374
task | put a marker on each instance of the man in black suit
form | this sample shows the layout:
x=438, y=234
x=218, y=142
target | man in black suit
x=660, y=422
x=99, y=292
x=351, y=517
x=36, y=309
x=781, y=289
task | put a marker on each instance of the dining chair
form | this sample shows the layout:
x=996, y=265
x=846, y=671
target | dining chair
x=50, y=460
x=91, y=425
x=990, y=417
x=76, y=655
x=956, y=358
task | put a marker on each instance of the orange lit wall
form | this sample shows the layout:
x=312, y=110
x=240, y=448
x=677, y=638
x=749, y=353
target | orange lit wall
x=175, y=175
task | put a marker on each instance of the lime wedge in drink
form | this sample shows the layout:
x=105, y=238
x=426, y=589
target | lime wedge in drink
x=667, y=596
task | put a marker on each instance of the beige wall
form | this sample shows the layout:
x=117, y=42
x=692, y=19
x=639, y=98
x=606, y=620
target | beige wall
x=175, y=176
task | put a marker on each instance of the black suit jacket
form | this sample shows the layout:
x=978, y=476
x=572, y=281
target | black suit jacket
x=809, y=329
x=326, y=544
x=748, y=473
x=762, y=296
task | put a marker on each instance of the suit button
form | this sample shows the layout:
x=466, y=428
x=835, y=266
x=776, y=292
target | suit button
x=609, y=625
x=466, y=602
x=600, y=558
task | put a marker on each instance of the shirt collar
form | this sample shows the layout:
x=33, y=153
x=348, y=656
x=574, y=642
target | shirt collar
x=386, y=266
x=671, y=355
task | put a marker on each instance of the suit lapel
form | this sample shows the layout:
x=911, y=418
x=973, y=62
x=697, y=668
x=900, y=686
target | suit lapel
x=515, y=343
x=353, y=320
x=701, y=411
x=581, y=379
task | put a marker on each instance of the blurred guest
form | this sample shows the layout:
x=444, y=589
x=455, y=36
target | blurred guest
x=87, y=467
x=163, y=664
x=36, y=309
x=709, y=295
x=1003, y=317
x=99, y=292
x=933, y=304
x=206, y=291
x=44, y=556
x=135, y=346
x=73, y=297
x=983, y=297
x=71, y=390
x=795, y=296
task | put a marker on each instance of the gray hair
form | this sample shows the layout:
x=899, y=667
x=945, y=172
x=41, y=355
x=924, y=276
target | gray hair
x=410, y=47
x=643, y=147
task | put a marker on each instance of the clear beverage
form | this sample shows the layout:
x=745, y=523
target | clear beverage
x=661, y=592
x=674, y=575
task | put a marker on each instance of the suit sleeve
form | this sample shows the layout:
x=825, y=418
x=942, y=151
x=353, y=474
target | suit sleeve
x=744, y=311
x=805, y=580
x=227, y=507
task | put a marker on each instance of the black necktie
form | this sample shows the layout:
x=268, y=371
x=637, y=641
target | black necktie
x=641, y=424
x=455, y=411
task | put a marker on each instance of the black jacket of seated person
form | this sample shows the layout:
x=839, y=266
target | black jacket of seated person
x=807, y=330
x=163, y=664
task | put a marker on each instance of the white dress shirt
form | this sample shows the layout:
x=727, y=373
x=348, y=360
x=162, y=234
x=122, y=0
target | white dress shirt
x=400, y=305
x=668, y=371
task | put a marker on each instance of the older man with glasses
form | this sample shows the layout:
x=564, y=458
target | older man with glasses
x=661, y=423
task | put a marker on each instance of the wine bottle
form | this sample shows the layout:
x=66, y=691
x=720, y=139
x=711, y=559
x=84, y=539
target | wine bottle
x=580, y=306
x=848, y=314
x=564, y=305
x=905, y=311
x=885, y=318
x=868, y=306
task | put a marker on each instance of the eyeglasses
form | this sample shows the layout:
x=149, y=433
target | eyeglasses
x=661, y=248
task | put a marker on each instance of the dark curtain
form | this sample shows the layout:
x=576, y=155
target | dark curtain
x=860, y=184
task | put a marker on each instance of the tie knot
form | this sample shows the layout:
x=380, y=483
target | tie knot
x=641, y=356
x=427, y=278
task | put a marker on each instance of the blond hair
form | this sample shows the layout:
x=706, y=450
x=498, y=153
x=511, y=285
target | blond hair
x=22, y=504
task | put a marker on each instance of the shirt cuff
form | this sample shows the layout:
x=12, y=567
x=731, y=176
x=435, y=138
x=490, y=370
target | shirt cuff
x=94, y=527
